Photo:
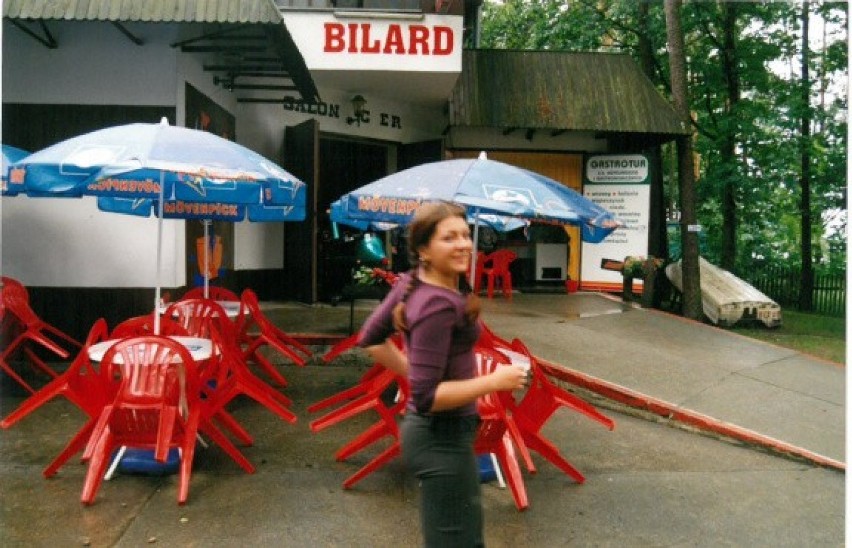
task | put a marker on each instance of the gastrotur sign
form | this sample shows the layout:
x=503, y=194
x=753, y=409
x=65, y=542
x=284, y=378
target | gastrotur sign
x=329, y=41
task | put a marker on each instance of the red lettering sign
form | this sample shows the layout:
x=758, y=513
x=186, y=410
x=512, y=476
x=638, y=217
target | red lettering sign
x=397, y=40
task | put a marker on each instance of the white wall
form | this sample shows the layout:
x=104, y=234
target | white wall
x=67, y=242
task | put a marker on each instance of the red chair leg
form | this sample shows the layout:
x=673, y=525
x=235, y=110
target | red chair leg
x=369, y=436
x=210, y=430
x=512, y=473
x=100, y=459
x=74, y=446
x=383, y=458
x=235, y=428
x=551, y=453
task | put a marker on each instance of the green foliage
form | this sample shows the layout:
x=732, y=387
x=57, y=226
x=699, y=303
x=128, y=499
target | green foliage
x=764, y=124
x=821, y=336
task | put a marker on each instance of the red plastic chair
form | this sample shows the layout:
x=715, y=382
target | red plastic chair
x=214, y=292
x=256, y=331
x=228, y=376
x=541, y=400
x=33, y=329
x=496, y=270
x=158, y=385
x=82, y=385
x=371, y=400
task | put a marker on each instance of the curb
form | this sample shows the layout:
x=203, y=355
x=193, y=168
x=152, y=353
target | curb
x=671, y=411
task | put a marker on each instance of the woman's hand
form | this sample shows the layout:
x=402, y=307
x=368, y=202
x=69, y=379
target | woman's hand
x=508, y=377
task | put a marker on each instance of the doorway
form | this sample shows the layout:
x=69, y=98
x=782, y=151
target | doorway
x=345, y=164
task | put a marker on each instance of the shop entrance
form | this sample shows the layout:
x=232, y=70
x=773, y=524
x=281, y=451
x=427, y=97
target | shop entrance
x=344, y=165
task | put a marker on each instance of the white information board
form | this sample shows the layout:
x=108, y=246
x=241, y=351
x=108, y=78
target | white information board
x=621, y=184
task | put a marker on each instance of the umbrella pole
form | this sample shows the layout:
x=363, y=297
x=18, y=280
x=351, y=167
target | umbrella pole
x=206, y=258
x=475, y=247
x=159, y=252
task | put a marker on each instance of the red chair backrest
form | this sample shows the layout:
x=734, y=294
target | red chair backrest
x=12, y=282
x=214, y=292
x=16, y=301
x=196, y=315
x=501, y=259
x=144, y=325
x=151, y=369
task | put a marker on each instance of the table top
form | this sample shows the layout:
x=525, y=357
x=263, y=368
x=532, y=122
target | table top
x=199, y=348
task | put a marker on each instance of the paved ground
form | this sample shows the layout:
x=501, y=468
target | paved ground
x=648, y=482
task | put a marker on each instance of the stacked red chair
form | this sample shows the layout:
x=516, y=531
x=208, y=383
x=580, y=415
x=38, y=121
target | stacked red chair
x=29, y=329
x=255, y=332
x=156, y=407
x=365, y=396
x=542, y=399
x=82, y=385
x=228, y=376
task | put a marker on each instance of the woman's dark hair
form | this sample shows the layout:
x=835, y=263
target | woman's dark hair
x=420, y=233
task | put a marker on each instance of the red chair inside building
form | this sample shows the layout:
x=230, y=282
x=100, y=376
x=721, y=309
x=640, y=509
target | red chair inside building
x=256, y=331
x=82, y=385
x=496, y=271
x=542, y=399
x=30, y=329
x=156, y=407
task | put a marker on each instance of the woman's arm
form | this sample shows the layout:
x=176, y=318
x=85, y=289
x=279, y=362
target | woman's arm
x=389, y=356
x=452, y=394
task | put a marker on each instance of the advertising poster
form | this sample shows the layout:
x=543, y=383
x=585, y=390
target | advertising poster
x=620, y=183
x=204, y=114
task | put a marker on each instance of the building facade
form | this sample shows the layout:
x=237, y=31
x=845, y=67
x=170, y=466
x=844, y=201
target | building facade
x=339, y=93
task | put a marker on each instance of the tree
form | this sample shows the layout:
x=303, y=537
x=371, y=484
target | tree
x=807, y=287
x=690, y=271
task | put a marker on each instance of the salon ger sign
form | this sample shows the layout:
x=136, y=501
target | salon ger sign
x=328, y=42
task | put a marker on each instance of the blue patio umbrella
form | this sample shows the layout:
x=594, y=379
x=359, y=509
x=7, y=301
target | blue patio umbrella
x=138, y=166
x=10, y=156
x=483, y=186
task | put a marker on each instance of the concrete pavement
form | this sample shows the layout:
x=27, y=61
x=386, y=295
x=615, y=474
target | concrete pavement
x=647, y=484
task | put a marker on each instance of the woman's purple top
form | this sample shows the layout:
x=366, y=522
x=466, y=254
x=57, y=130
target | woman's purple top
x=439, y=342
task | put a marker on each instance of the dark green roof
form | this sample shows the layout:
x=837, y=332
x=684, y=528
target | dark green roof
x=600, y=92
x=154, y=11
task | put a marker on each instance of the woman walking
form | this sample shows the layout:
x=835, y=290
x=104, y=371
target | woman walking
x=433, y=307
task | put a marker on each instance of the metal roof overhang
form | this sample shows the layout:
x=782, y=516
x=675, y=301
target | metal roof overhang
x=245, y=45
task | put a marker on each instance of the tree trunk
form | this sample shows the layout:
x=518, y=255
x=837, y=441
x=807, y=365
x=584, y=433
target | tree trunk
x=690, y=272
x=807, y=287
x=727, y=153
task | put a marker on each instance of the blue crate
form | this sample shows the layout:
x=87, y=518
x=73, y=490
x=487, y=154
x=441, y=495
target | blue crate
x=486, y=468
x=141, y=461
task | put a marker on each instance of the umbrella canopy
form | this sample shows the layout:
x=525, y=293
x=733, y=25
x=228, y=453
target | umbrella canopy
x=483, y=186
x=150, y=160
x=10, y=156
x=176, y=172
x=500, y=223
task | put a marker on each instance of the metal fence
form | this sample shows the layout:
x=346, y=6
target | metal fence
x=783, y=285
